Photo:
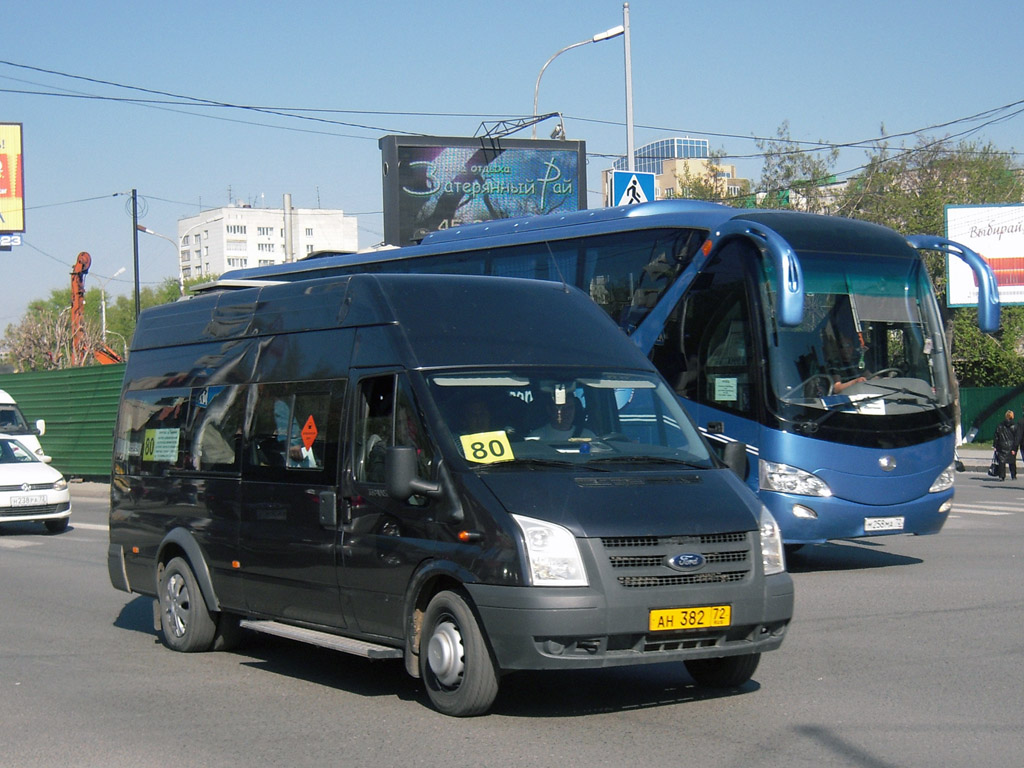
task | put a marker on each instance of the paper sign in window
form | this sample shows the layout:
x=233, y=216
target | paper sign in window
x=487, y=447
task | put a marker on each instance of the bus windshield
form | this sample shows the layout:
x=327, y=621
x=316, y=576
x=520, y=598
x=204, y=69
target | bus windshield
x=584, y=417
x=871, y=340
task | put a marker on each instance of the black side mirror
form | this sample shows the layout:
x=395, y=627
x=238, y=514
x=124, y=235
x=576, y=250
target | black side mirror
x=400, y=478
x=735, y=457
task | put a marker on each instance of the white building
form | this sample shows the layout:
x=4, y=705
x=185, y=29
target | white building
x=220, y=239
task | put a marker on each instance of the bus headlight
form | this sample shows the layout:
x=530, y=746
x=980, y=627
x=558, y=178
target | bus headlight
x=774, y=476
x=553, y=554
x=771, y=544
x=945, y=479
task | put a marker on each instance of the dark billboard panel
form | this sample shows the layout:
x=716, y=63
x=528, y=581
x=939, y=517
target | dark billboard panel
x=434, y=182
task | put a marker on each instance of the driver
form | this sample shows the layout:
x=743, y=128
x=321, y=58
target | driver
x=561, y=411
x=846, y=354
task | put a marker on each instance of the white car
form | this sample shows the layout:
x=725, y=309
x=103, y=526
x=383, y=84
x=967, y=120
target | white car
x=30, y=489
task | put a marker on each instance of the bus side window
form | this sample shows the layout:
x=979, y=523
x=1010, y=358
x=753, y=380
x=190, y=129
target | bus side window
x=290, y=426
x=387, y=415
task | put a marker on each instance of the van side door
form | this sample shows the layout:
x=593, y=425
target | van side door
x=384, y=540
x=289, y=492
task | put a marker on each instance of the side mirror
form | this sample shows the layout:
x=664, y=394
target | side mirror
x=400, y=478
x=735, y=457
x=40, y=427
x=45, y=459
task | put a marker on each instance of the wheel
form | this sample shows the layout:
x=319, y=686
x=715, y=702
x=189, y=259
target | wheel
x=185, y=621
x=724, y=672
x=56, y=526
x=455, y=663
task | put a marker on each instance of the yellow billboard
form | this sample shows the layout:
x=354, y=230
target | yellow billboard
x=12, y=186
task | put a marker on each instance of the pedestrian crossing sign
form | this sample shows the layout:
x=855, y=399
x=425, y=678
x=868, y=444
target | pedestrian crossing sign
x=632, y=187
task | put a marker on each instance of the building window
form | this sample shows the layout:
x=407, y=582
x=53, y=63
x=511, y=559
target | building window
x=235, y=229
x=184, y=240
x=265, y=247
x=235, y=245
x=309, y=248
x=265, y=231
x=309, y=231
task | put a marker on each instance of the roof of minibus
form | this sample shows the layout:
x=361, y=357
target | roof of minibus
x=447, y=320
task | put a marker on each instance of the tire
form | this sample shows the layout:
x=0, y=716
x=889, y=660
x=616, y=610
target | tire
x=455, y=662
x=56, y=526
x=723, y=672
x=185, y=621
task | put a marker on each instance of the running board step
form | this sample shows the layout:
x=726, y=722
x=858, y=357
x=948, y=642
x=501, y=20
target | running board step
x=324, y=639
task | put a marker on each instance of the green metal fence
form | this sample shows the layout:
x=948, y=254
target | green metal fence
x=80, y=408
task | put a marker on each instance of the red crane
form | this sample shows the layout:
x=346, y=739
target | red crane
x=79, y=344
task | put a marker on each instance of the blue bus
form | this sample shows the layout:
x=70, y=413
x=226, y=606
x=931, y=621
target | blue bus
x=815, y=341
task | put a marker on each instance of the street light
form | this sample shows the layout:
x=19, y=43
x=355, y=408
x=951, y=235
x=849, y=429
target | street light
x=103, y=304
x=608, y=34
x=178, y=246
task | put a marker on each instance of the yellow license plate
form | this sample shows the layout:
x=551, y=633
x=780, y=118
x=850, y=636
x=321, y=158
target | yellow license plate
x=704, y=617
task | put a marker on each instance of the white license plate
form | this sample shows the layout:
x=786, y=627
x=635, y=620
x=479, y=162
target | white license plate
x=875, y=524
x=27, y=501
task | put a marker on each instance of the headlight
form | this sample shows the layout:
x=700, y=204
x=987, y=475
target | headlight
x=60, y=485
x=945, y=479
x=771, y=544
x=553, y=555
x=786, y=479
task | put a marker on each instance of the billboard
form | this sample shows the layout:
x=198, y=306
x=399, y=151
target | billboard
x=12, y=189
x=433, y=182
x=995, y=232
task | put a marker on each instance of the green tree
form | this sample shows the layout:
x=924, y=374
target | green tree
x=794, y=177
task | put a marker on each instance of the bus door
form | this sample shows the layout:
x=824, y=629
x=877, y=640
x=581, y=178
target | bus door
x=384, y=539
x=288, y=549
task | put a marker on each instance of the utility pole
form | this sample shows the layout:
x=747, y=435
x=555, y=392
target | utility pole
x=135, y=236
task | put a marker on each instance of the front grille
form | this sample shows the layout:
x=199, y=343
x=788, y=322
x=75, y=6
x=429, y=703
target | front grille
x=18, y=489
x=642, y=562
x=46, y=509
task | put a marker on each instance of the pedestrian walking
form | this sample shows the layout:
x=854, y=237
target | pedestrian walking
x=1005, y=444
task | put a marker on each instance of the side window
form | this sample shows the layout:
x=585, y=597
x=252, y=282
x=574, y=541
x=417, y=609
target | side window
x=215, y=427
x=386, y=415
x=151, y=433
x=292, y=426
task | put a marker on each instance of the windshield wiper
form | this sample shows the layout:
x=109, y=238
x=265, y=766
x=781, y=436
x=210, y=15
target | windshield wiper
x=648, y=460
x=540, y=463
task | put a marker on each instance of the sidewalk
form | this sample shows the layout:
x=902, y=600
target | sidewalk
x=975, y=459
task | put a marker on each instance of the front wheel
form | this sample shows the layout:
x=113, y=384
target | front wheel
x=455, y=663
x=185, y=621
x=724, y=672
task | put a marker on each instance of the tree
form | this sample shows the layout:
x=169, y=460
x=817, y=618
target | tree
x=794, y=177
x=41, y=341
x=706, y=184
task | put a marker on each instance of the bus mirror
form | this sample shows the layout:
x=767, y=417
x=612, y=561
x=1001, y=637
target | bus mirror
x=735, y=457
x=400, y=477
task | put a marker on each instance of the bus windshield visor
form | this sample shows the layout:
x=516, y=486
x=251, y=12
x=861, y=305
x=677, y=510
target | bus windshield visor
x=553, y=417
x=871, y=340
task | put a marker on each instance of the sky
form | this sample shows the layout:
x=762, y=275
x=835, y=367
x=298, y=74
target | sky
x=347, y=73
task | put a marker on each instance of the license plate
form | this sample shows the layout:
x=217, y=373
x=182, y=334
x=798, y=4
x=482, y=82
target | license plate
x=27, y=501
x=702, y=617
x=874, y=524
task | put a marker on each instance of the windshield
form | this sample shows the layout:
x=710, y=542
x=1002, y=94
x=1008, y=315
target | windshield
x=871, y=340
x=13, y=452
x=517, y=416
x=11, y=421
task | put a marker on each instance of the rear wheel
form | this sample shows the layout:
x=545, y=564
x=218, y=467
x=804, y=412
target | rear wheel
x=724, y=672
x=455, y=663
x=185, y=621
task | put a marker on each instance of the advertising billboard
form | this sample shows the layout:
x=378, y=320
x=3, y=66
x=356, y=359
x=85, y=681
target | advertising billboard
x=12, y=191
x=995, y=232
x=433, y=183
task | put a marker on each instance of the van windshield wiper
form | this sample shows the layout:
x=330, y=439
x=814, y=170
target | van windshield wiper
x=649, y=460
x=540, y=464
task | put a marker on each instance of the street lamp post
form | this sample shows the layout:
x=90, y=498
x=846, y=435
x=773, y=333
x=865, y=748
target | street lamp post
x=103, y=304
x=608, y=34
x=178, y=246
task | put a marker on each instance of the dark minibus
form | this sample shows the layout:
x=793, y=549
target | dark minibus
x=474, y=475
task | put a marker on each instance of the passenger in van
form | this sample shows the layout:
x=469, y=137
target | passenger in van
x=564, y=418
x=297, y=455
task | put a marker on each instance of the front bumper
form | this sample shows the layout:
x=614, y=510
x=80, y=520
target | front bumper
x=54, y=511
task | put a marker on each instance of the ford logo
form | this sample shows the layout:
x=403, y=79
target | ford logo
x=688, y=561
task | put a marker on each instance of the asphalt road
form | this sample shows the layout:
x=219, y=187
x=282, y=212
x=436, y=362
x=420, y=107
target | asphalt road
x=903, y=652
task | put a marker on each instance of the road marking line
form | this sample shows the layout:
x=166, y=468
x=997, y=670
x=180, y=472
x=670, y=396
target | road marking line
x=16, y=543
x=970, y=511
x=90, y=526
